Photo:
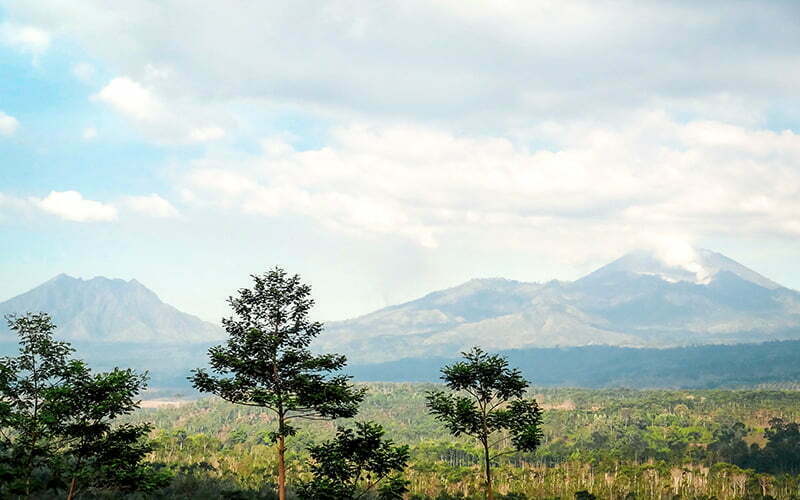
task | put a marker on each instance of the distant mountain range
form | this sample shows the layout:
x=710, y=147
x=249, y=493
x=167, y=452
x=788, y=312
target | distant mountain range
x=638, y=300
x=110, y=310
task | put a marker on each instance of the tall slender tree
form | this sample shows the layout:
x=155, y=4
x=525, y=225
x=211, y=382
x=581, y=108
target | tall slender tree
x=266, y=361
x=488, y=403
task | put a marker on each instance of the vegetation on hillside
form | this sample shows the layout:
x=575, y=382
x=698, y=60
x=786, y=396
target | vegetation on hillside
x=597, y=366
x=614, y=443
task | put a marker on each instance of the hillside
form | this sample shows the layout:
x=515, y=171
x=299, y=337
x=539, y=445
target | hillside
x=639, y=300
x=693, y=367
x=109, y=310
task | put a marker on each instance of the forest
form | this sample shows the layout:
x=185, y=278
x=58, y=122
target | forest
x=612, y=443
x=278, y=421
x=691, y=367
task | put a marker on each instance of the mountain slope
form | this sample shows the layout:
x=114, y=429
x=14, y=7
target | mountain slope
x=109, y=310
x=694, y=367
x=642, y=299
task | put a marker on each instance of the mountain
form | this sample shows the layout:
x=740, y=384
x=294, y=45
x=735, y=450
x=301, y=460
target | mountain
x=108, y=311
x=587, y=327
x=642, y=299
x=700, y=267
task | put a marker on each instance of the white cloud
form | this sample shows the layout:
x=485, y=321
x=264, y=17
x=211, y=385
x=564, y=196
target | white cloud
x=227, y=183
x=70, y=205
x=26, y=38
x=84, y=72
x=155, y=73
x=12, y=207
x=89, y=133
x=529, y=124
x=204, y=134
x=8, y=124
x=466, y=64
x=130, y=98
x=650, y=175
x=163, y=120
x=152, y=205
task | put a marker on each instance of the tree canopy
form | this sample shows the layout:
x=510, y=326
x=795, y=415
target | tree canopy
x=57, y=428
x=267, y=362
x=356, y=462
x=487, y=399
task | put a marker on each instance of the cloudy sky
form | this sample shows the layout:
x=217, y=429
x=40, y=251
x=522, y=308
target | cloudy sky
x=387, y=149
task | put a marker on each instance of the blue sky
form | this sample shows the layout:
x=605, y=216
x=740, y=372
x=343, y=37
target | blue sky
x=384, y=150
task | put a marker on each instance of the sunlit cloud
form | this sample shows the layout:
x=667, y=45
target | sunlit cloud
x=8, y=124
x=130, y=98
x=151, y=205
x=29, y=39
x=700, y=177
x=72, y=206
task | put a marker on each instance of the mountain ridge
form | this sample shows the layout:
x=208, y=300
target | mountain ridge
x=641, y=299
x=104, y=309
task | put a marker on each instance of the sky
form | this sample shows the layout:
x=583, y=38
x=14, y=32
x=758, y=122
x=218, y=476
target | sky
x=387, y=149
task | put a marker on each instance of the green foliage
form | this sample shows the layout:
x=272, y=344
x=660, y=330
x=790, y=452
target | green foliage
x=57, y=419
x=615, y=443
x=266, y=361
x=513, y=496
x=692, y=367
x=782, y=452
x=488, y=399
x=729, y=445
x=357, y=461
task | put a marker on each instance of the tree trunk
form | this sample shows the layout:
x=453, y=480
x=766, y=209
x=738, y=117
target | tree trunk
x=281, y=468
x=488, y=470
x=72, y=489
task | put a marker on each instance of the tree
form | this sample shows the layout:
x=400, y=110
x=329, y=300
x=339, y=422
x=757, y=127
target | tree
x=782, y=452
x=266, y=361
x=57, y=419
x=488, y=401
x=355, y=463
x=103, y=454
x=729, y=444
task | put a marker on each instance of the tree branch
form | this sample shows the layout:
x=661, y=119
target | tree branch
x=509, y=452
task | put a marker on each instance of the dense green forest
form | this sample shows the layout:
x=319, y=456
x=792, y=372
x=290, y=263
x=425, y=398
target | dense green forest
x=614, y=443
x=691, y=367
